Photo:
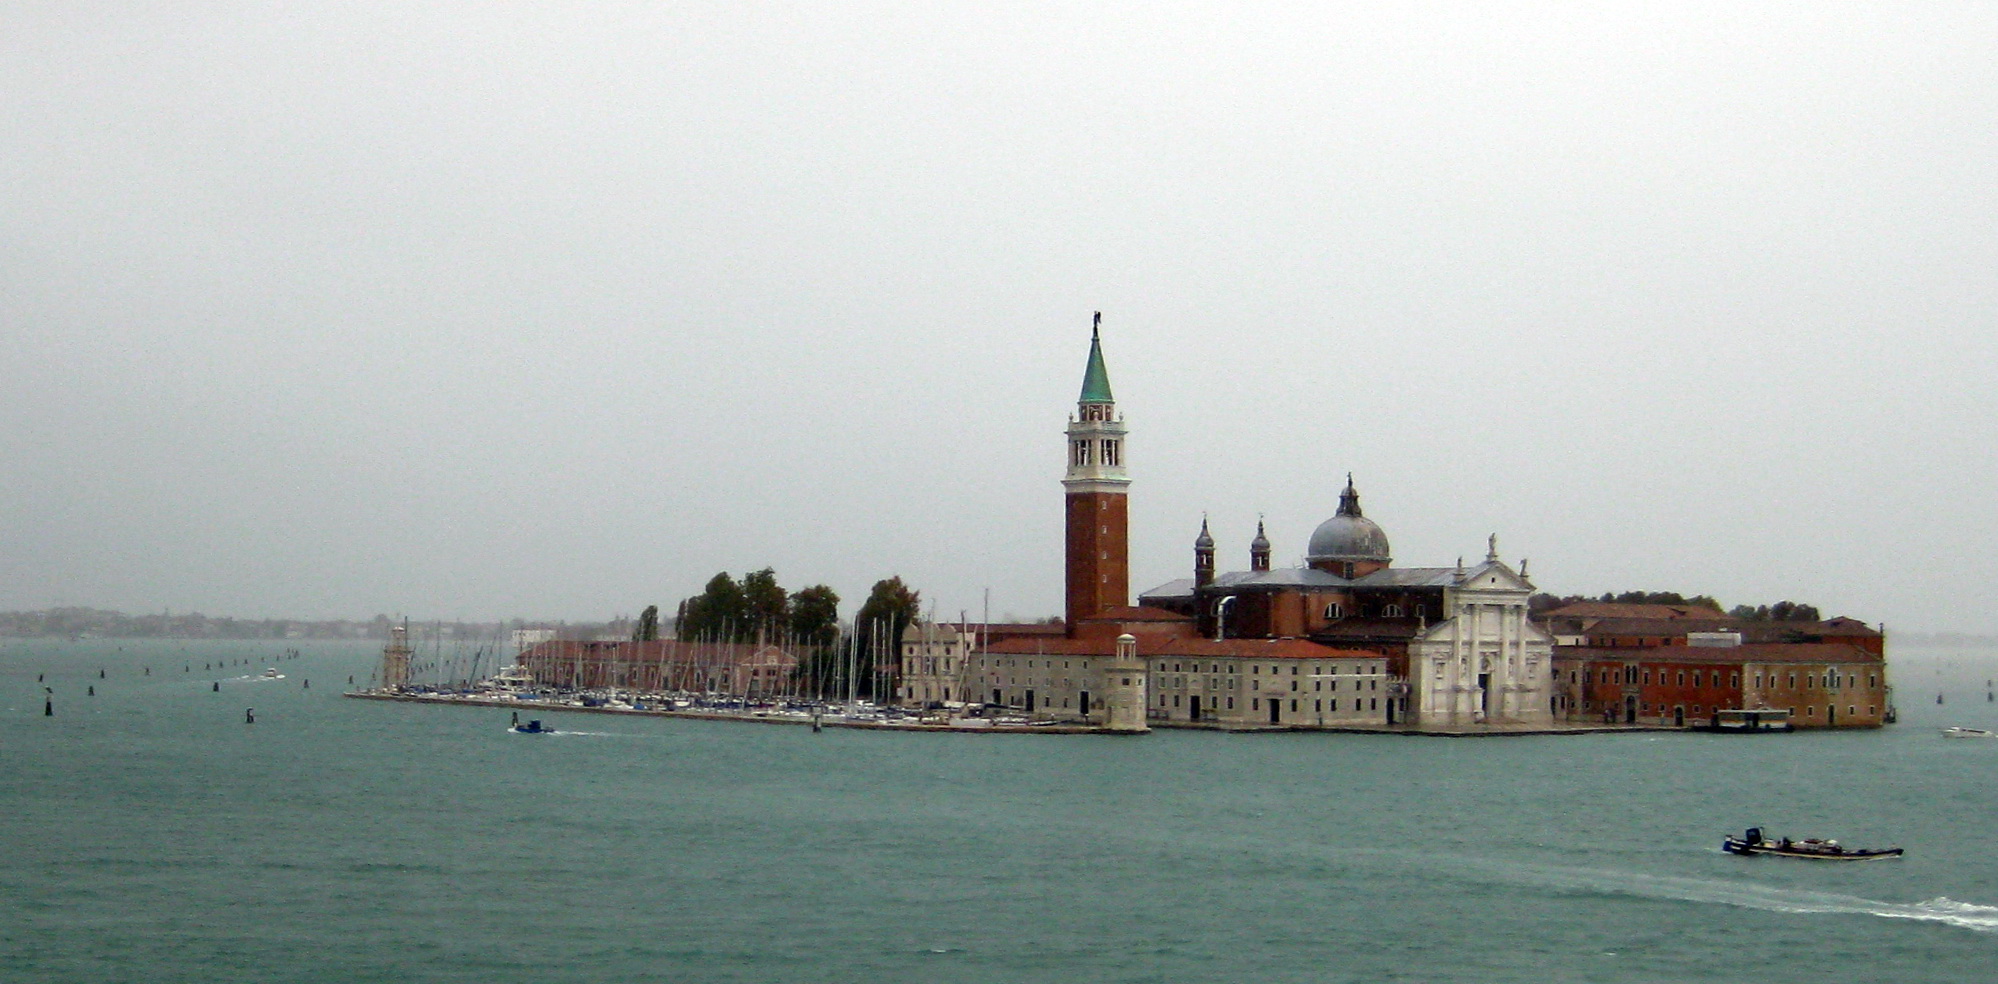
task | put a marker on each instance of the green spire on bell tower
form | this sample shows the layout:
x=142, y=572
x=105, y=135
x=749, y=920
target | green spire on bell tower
x=1096, y=379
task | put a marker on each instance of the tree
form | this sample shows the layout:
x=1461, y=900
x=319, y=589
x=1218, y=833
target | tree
x=815, y=630
x=1782, y=611
x=815, y=616
x=889, y=609
x=717, y=613
x=766, y=608
x=648, y=625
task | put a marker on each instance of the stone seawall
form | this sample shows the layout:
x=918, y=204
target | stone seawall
x=828, y=722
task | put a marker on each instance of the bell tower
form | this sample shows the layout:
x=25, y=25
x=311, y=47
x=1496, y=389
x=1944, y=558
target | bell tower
x=1097, y=488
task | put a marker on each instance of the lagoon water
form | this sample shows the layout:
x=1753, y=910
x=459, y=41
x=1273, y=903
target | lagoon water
x=151, y=835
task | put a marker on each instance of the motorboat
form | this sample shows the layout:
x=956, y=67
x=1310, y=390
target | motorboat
x=1968, y=733
x=271, y=673
x=1753, y=842
x=1738, y=721
x=533, y=727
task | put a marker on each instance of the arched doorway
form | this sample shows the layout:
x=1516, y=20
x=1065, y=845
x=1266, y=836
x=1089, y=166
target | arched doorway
x=1678, y=715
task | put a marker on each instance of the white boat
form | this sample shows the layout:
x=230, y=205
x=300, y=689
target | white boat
x=271, y=673
x=1968, y=733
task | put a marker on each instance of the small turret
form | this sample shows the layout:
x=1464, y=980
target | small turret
x=1259, y=549
x=1203, y=556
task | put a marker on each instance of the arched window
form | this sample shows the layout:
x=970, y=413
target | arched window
x=1333, y=611
x=1391, y=611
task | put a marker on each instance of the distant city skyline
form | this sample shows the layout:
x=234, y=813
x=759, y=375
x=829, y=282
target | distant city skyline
x=557, y=312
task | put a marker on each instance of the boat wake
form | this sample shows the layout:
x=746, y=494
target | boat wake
x=1768, y=898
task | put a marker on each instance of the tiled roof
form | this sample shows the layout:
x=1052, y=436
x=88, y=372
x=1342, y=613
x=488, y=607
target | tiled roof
x=1750, y=631
x=1607, y=609
x=1165, y=645
x=1370, y=628
x=1288, y=577
x=1409, y=577
x=1661, y=626
x=1128, y=613
x=1176, y=590
x=1747, y=652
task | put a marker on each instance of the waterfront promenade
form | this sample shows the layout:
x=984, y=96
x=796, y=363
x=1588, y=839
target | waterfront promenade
x=960, y=725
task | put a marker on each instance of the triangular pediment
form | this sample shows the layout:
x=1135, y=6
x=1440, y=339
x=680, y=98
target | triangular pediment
x=1493, y=575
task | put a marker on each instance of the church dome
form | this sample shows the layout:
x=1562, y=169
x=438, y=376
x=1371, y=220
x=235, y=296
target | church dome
x=1348, y=536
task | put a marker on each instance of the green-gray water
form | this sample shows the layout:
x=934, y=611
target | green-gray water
x=151, y=835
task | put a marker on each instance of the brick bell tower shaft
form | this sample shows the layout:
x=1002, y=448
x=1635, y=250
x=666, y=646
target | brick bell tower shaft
x=1097, y=486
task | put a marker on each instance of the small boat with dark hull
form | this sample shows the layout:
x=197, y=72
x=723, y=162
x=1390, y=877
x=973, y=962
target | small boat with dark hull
x=1753, y=842
x=533, y=727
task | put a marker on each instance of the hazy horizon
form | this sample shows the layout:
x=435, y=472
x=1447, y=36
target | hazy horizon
x=480, y=312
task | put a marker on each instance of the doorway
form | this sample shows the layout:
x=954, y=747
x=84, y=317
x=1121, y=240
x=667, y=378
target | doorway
x=1678, y=716
x=1193, y=708
x=1630, y=710
x=1030, y=702
x=1276, y=710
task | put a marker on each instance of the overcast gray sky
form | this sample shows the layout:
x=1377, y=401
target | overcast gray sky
x=556, y=310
